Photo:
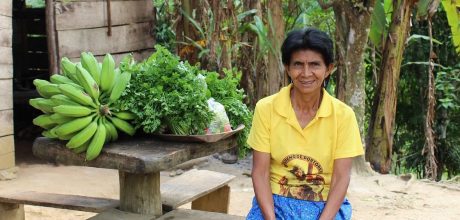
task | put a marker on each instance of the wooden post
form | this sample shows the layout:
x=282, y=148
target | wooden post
x=11, y=211
x=140, y=193
x=51, y=38
x=217, y=201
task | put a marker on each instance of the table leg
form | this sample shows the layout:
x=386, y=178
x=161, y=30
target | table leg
x=140, y=193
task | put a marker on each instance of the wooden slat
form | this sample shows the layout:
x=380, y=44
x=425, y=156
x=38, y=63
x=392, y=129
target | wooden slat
x=6, y=71
x=6, y=8
x=6, y=37
x=12, y=212
x=190, y=186
x=124, y=38
x=6, y=94
x=6, y=22
x=79, y=15
x=137, y=55
x=72, y=202
x=217, y=201
x=6, y=122
x=7, y=160
x=6, y=144
x=134, y=155
x=115, y=214
x=6, y=54
x=185, y=214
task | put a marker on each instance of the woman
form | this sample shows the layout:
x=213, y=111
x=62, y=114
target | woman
x=303, y=139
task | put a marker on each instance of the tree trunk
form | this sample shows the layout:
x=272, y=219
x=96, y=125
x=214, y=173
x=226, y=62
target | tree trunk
x=352, y=25
x=380, y=139
x=247, y=61
x=275, y=70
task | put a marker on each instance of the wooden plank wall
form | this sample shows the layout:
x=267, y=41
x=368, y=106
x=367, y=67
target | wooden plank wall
x=6, y=86
x=82, y=25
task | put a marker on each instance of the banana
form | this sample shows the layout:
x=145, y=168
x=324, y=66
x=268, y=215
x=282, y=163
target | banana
x=107, y=133
x=87, y=81
x=46, y=105
x=83, y=136
x=62, y=100
x=60, y=79
x=72, y=110
x=69, y=69
x=107, y=73
x=119, y=87
x=89, y=62
x=111, y=129
x=44, y=121
x=125, y=115
x=66, y=137
x=48, y=134
x=123, y=125
x=73, y=126
x=82, y=148
x=97, y=142
x=34, y=103
x=60, y=119
x=77, y=95
x=48, y=90
x=40, y=82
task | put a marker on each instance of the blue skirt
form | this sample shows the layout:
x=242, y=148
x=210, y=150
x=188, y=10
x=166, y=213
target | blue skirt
x=293, y=209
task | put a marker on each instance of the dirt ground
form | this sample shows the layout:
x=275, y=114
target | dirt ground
x=374, y=197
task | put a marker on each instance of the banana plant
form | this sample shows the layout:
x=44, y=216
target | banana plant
x=453, y=17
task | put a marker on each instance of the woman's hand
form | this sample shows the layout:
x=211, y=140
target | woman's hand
x=261, y=183
x=339, y=185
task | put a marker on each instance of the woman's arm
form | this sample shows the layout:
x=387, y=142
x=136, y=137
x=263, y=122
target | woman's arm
x=261, y=183
x=339, y=185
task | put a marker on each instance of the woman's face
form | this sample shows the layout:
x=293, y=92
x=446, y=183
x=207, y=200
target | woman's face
x=308, y=71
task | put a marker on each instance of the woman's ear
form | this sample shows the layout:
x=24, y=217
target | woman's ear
x=329, y=69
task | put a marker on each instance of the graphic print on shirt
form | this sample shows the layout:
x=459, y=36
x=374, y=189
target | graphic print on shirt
x=305, y=180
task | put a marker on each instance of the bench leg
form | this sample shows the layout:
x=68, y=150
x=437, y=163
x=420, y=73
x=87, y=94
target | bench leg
x=140, y=193
x=11, y=211
x=216, y=201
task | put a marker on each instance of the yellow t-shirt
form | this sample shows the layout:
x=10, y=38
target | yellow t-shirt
x=302, y=159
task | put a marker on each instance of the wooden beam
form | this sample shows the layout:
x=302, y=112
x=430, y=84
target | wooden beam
x=6, y=22
x=53, y=52
x=6, y=37
x=6, y=8
x=11, y=211
x=137, y=55
x=186, y=214
x=134, y=155
x=134, y=196
x=6, y=122
x=6, y=144
x=217, y=201
x=6, y=54
x=62, y=201
x=6, y=71
x=6, y=94
x=79, y=15
x=7, y=160
x=124, y=38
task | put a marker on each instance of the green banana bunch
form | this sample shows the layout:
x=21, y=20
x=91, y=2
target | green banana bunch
x=77, y=104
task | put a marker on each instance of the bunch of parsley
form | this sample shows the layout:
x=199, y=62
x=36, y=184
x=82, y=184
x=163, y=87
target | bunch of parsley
x=226, y=91
x=166, y=95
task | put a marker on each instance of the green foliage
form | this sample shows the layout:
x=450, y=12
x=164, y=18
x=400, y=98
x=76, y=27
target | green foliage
x=35, y=3
x=166, y=95
x=164, y=34
x=381, y=18
x=454, y=21
x=226, y=92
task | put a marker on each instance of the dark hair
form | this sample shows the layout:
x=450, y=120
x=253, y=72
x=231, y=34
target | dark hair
x=307, y=39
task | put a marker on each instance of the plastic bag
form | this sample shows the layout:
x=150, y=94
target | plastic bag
x=220, y=122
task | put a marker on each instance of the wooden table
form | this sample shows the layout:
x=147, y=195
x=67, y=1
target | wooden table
x=139, y=162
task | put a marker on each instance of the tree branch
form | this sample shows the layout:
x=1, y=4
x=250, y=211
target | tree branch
x=325, y=5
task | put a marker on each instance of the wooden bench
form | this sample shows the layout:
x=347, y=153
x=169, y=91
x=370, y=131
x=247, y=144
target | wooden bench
x=178, y=214
x=207, y=190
